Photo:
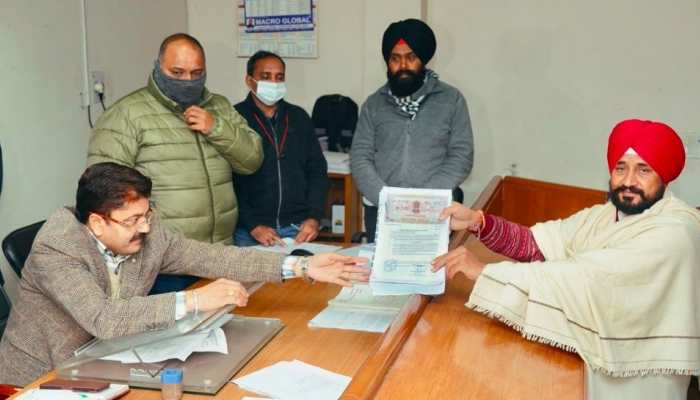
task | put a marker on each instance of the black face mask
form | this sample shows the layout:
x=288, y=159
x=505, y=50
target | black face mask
x=405, y=82
x=185, y=93
x=626, y=206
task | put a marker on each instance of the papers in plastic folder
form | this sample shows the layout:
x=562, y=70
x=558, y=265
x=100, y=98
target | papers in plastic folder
x=409, y=236
x=294, y=380
x=180, y=347
x=289, y=246
x=356, y=308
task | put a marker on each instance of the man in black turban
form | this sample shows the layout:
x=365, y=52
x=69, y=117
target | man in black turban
x=415, y=130
x=411, y=40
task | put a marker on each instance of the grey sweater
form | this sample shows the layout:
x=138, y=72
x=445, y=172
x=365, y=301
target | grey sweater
x=434, y=150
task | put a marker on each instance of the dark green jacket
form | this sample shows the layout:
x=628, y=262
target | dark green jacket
x=191, y=172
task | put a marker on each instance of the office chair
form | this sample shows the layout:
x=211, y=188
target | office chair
x=17, y=245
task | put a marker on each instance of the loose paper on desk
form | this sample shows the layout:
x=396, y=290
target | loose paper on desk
x=180, y=347
x=409, y=236
x=289, y=246
x=356, y=308
x=112, y=392
x=337, y=162
x=294, y=380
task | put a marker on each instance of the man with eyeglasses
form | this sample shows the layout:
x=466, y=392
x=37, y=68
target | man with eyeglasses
x=91, y=269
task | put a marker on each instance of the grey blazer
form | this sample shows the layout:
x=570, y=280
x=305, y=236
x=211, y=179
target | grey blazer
x=64, y=294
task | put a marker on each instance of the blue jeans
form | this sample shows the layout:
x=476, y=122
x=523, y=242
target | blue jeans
x=243, y=238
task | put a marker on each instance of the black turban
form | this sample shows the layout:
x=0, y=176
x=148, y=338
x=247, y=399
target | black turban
x=417, y=34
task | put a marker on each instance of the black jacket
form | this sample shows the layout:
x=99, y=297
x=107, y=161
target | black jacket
x=300, y=172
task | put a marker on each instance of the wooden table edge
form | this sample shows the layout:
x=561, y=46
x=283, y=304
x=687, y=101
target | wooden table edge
x=367, y=380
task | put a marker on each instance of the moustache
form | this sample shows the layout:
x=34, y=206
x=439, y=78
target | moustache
x=632, y=189
x=405, y=72
x=137, y=238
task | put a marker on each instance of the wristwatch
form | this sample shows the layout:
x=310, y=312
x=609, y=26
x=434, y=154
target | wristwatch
x=302, y=266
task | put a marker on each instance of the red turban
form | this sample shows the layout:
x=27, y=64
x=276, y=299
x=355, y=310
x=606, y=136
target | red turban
x=655, y=142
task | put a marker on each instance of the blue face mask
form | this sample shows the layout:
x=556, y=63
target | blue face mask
x=270, y=92
x=185, y=93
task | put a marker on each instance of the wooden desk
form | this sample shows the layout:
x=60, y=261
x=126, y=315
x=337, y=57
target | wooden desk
x=295, y=303
x=456, y=353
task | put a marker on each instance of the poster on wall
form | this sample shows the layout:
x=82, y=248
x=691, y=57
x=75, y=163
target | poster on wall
x=286, y=27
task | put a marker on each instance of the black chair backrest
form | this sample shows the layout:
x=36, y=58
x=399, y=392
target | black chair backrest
x=4, y=306
x=17, y=245
x=335, y=116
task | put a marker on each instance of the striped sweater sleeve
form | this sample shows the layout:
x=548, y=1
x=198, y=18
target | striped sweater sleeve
x=510, y=239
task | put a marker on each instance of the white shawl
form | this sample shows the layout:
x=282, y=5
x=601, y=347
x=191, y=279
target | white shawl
x=623, y=295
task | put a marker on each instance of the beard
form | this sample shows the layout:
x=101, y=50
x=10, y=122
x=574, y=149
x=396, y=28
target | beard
x=405, y=82
x=627, y=206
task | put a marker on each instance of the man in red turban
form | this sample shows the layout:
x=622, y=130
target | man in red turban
x=616, y=283
x=643, y=157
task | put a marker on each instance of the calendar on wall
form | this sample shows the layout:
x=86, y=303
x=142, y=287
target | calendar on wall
x=286, y=27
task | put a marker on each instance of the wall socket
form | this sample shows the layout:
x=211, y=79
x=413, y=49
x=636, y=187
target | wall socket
x=97, y=80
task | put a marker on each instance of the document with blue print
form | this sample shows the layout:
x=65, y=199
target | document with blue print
x=409, y=236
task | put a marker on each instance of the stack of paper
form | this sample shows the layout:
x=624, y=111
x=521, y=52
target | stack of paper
x=338, y=163
x=409, y=236
x=356, y=308
x=294, y=380
x=289, y=246
x=180, y=347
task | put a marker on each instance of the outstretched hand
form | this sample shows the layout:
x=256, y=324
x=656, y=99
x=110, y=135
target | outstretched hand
x=338, y=269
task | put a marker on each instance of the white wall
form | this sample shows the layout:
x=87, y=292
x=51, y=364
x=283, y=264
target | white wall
x=43, y=130
x=547, y=80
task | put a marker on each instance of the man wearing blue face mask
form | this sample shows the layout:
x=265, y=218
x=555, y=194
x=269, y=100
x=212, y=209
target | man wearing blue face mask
x=287, y=195
x=186, y=140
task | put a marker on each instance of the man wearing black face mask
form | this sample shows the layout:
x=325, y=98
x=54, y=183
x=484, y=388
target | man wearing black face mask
x=415, y=130
x=186, y=140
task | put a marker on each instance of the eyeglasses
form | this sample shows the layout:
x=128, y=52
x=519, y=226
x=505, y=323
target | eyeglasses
x=135, y=221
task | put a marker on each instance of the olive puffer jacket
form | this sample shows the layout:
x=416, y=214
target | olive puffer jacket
x=191, y=172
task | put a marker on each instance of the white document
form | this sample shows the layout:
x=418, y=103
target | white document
x=180, y=347
x=294, y=380
x=409, y=237
x=289, y=246
x=360, y=297
x=356, y=308
x=337, y=162
x=356, y=320
x=112, y=392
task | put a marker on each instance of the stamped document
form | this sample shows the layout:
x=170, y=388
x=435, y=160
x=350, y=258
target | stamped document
x=409, y=236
